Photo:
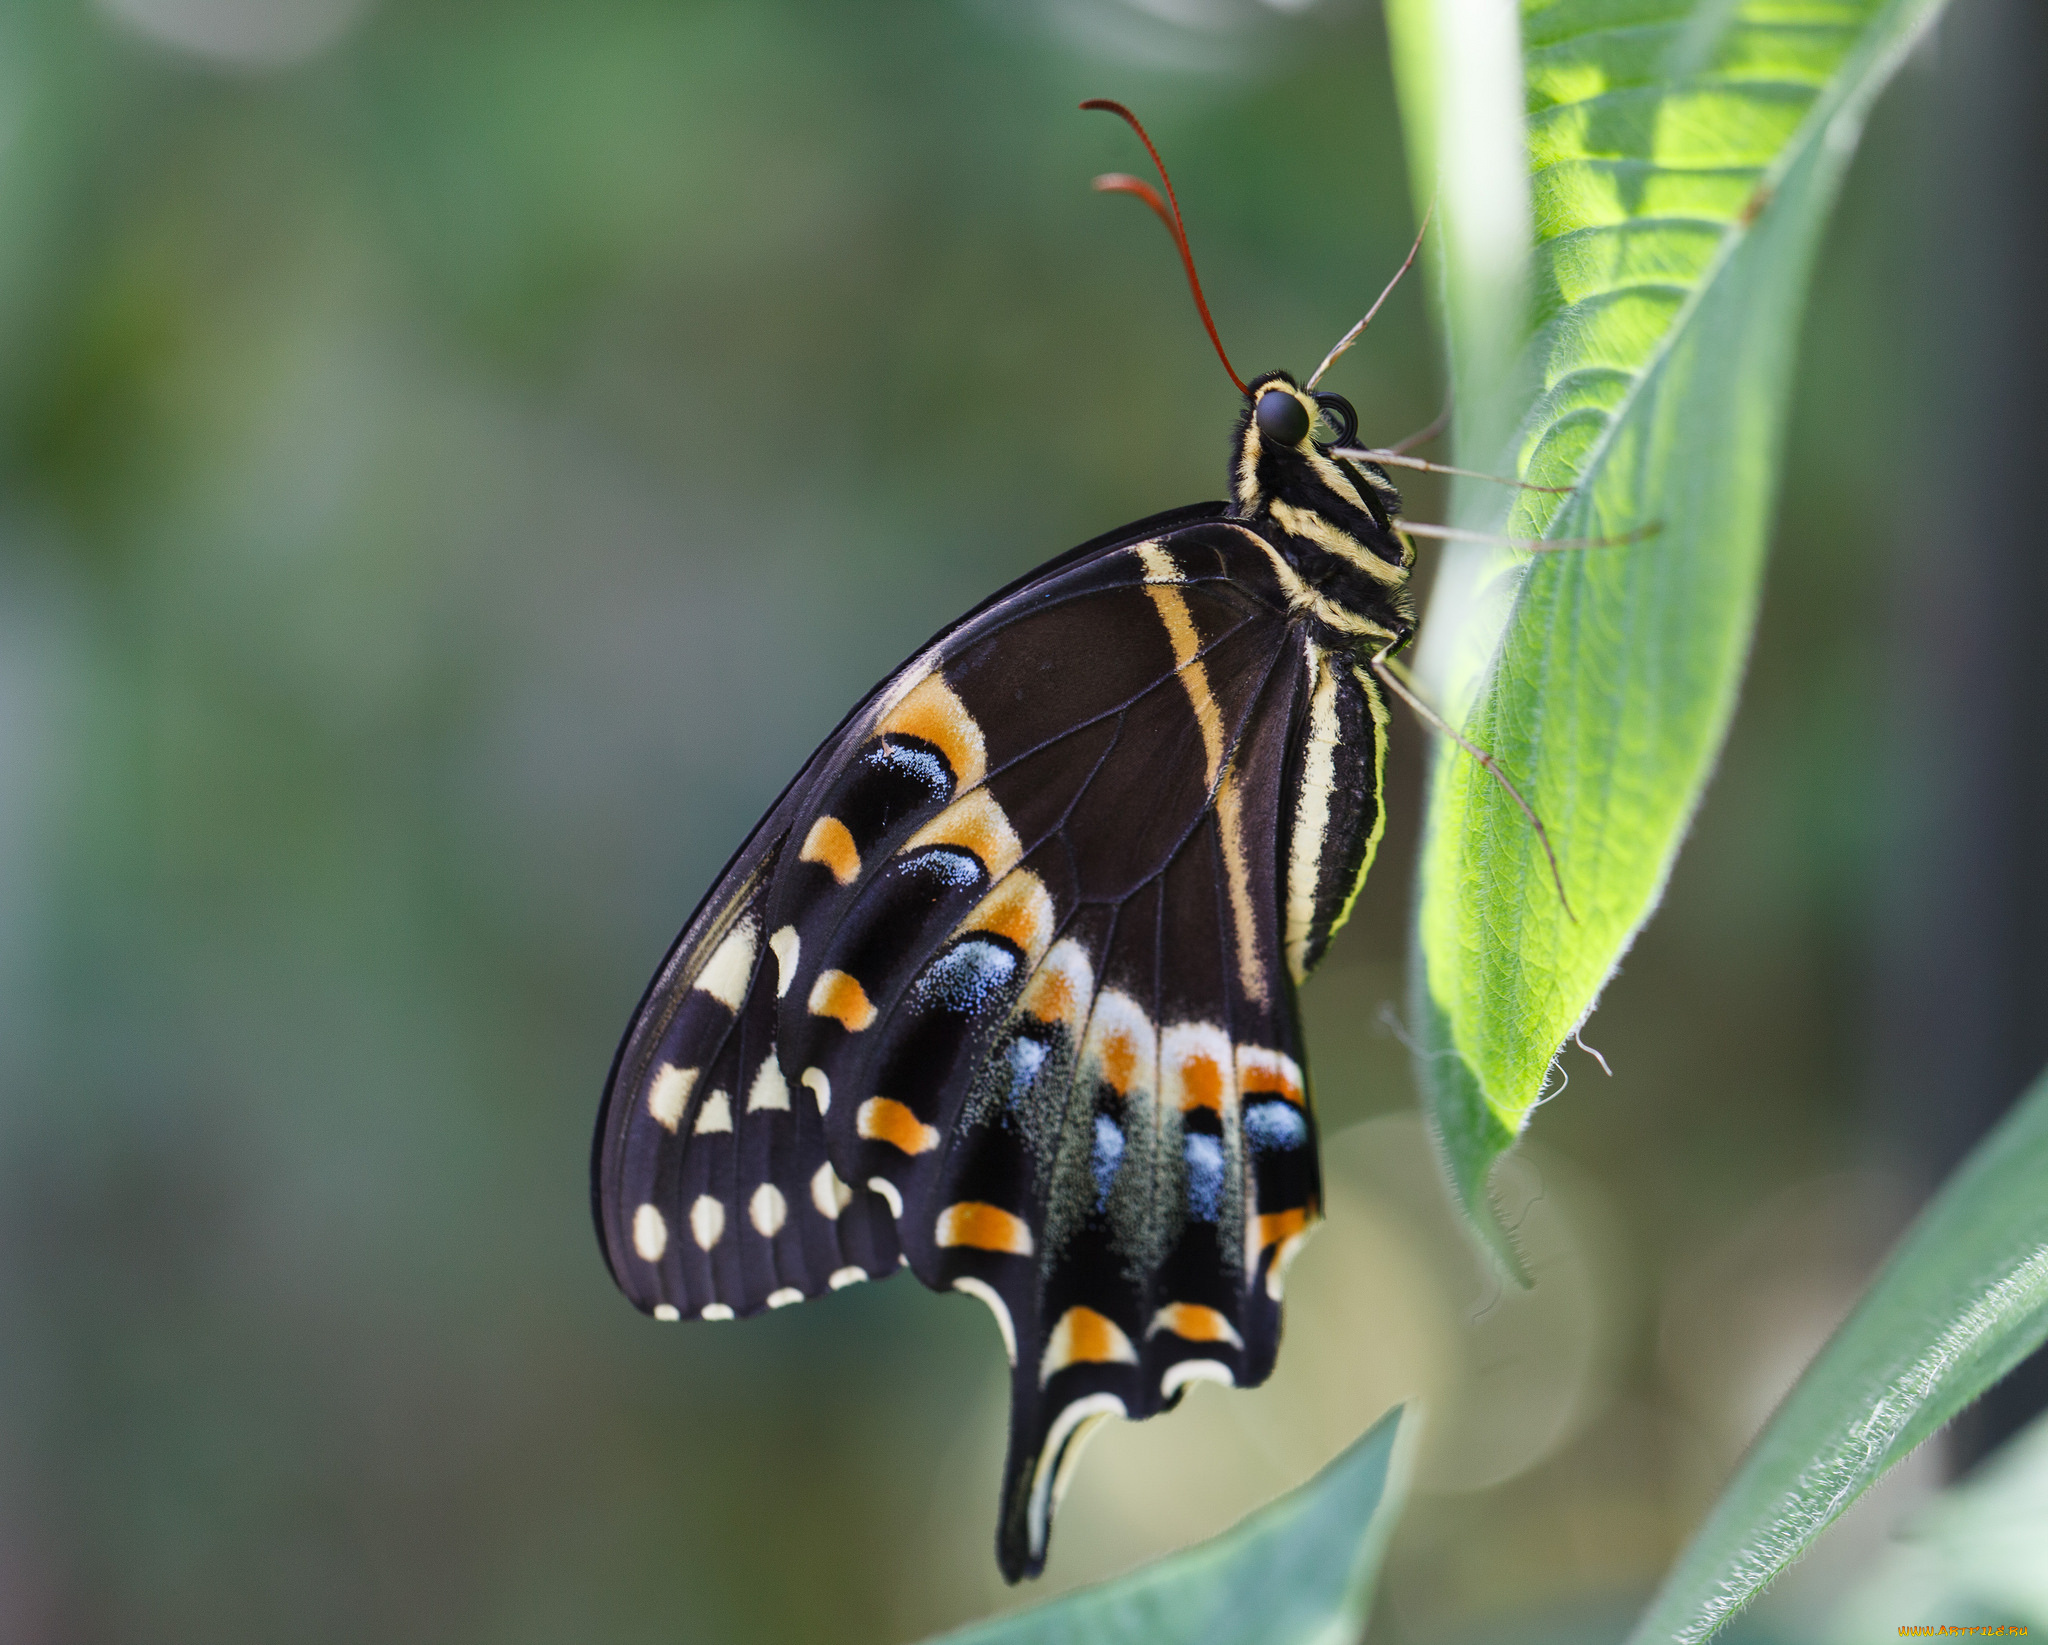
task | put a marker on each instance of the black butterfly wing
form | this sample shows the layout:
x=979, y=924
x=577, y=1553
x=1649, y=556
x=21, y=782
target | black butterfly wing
x=699, y=1145
x=1022, y=940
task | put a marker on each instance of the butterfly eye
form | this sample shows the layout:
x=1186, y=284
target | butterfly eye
x=1282, y=417
x=1337, y=416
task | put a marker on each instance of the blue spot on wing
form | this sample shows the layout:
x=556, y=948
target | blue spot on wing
x=915, y=762
x=1204, y=1155
x=955, y=870
x=1027, y=1056
x=970, y=978
x=1108, y=1155
x=1274, y=1125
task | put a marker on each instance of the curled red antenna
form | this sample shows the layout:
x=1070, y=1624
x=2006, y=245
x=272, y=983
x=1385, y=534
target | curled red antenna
x=1116, y=182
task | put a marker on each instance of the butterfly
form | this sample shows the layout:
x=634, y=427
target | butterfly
x=1003, y=987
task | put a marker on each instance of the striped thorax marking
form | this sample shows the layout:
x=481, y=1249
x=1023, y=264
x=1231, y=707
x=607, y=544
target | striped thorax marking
x=1312, y=527
x=1302, y=597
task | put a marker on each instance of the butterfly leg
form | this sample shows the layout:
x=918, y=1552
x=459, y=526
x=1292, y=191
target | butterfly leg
x=1399, y=459
x=1530, y=545
x=1396, y=680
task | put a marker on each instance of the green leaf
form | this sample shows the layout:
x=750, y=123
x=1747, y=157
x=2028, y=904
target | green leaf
x=1972, y=1555
x=1300, y=1571
x=1683, y=156
x=1962, y=1300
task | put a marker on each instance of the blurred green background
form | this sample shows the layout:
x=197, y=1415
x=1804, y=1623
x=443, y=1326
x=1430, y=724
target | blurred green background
x=455, y=461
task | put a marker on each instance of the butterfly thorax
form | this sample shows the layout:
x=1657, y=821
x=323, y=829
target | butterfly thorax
x=1328, y=519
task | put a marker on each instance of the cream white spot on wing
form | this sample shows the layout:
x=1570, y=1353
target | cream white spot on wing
x=887, y=1189
x=784, y=1297
x=715, y=1115
x=770, y=1089
x=1159, y=565
x=1182, y=1372
x=1070, y=1430
x=767, y=1210
x=714, y=1310
x=666, y=1311
x=731, y=967
x=669, y=1094
x=814, y=1081
x=785, y=945
x=829, y=1194
x=650, y=1233
x=843, y=1277
x=707, y=1221
x=1122, y=1047
x=988, y=1294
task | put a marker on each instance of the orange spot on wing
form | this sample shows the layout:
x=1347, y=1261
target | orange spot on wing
x=1201, y=1084
x=1084, y=1337
x=1280, y=1225
x=934, y=712
x=1194, y=1323
x=1259, y=1076
x=985, y=1227
x=841, y=997
x=1119, y=1062
x=884, y=1119
x=1019, y=909
x=975, y=823
x=830, y=843
x=1050, y=997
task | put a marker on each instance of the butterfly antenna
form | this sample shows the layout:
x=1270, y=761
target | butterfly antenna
x=1358, y=330
x=1116, y=182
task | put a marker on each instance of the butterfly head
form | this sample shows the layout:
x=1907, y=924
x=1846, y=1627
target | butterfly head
x=1284, y=443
